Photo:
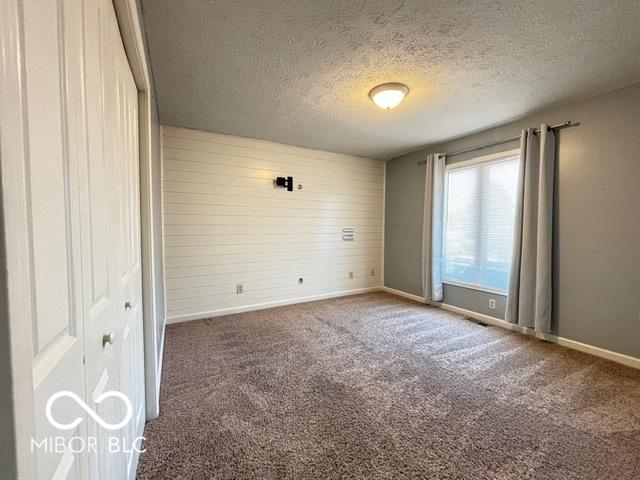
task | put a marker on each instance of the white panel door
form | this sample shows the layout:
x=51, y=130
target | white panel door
x=83, y=174
x=128, y=269
x=113, y=332
x=101, y=242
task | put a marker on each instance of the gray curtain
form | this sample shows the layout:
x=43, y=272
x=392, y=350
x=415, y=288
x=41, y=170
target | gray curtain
x=529, y=297
x=432, y=228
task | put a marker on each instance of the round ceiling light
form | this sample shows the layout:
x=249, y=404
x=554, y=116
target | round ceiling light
x=388, y=95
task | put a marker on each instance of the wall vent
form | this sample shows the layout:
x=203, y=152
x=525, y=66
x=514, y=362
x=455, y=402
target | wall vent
x=477, y=322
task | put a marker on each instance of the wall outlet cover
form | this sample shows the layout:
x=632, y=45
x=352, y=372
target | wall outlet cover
x=239, y=288
x=492, y=303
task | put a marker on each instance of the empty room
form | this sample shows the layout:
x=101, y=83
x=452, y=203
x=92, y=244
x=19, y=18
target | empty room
x=304, y=239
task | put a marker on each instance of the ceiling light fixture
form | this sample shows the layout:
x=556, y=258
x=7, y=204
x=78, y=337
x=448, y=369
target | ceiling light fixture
x=388, y=95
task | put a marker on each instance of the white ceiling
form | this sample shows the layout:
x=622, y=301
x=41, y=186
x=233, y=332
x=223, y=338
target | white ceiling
x=299, y=71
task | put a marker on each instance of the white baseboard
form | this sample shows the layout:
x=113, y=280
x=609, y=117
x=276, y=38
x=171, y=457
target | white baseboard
x=262, y=306
x=565, y=342
x=400, y=293
x=627, y=360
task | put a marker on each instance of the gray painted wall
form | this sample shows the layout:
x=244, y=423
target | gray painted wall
x=597, y=221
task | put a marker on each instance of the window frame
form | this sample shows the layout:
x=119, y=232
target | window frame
x=490, y=158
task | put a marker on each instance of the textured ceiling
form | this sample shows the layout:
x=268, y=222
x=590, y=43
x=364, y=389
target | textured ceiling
x=299, y=71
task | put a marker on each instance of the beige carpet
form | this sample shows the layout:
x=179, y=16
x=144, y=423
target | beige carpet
x=375, y=386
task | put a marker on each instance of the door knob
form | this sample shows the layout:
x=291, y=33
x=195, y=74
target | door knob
x=127, y=305
x=107, y=338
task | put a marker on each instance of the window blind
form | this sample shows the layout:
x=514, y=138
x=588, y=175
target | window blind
x=479, y=223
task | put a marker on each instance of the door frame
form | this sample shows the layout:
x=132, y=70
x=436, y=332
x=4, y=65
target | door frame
x=17, y=424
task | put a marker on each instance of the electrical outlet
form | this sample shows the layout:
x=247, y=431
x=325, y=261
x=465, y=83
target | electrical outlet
x=239, y=288
x=350, y=274
x=373, y=272
x=492, y=303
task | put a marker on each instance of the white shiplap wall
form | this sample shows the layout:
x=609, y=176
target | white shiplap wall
x=225, y=223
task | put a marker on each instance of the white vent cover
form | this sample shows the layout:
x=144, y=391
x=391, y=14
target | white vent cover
x=347, y=234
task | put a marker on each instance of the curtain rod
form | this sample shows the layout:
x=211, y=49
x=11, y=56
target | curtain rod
x=568, y=123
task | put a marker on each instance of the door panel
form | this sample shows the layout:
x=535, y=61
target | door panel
x=53, y=60
x=125, y=162
x=49, y=175
x=109, y=365
x=101, y=241
x=129, y=273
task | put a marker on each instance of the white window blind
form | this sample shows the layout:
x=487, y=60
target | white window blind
x=479, y=223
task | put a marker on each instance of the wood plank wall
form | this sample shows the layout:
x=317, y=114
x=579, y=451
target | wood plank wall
x=225, y=224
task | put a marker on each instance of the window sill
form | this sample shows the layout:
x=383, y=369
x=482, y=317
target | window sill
x=478, y=288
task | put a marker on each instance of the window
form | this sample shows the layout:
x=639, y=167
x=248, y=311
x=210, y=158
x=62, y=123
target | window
x=479, y=221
